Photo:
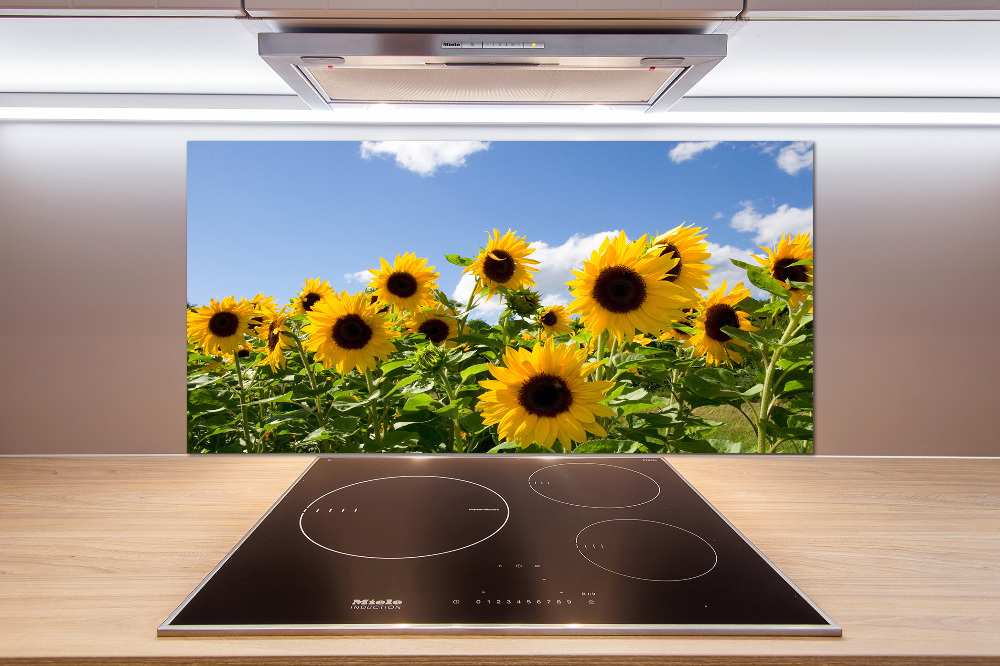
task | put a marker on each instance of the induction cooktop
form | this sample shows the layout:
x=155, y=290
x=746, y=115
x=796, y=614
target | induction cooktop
x=495, y=544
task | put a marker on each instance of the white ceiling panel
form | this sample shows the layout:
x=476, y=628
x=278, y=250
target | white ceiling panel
x=132, y=55
x=859, y=59
x=218, y=56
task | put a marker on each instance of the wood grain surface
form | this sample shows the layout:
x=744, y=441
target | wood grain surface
x=903, y=553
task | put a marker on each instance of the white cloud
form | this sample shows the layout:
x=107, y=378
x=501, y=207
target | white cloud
x=424, y=157
x=360, y=276
x=555, y=263
x=766, y=148
x=724, y=269
x=687, y=150
x=718, y=216
x=794, y=157
x=769, y=228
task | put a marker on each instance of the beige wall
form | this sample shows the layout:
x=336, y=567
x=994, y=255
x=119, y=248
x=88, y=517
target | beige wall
x=92, y=279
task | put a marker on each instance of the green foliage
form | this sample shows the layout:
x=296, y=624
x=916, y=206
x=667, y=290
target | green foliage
x=425, y=398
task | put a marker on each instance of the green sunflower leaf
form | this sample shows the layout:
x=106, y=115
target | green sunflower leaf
x=344, y=425
x=693, y=445
x=452, y=410
x=713, y=383
x=505, y=446
x=631, y=397
x=386, y=368
x=725, y=446
x=739, y=334
x=770, y=308
x=399, y=440
x=406, y=381
x=608, y=446
x=317, y=435
x=287, y=397
x=744, y=265
x=472, y=422
x=459, y=260
x=416, y=403
x=762, y=280
x=473, y=370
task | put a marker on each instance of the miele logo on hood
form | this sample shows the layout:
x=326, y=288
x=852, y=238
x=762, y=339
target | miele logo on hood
x=376, y=604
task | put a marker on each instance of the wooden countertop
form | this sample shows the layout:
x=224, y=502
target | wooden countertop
x=903, y=553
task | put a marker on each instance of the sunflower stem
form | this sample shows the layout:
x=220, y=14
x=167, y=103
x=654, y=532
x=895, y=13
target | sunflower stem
x=767, y=394
x=312, y=379
x=611, y=354
x=243, y=400
x=602, y=339
x=373, y=418
x=468, y=308
x=456, y=439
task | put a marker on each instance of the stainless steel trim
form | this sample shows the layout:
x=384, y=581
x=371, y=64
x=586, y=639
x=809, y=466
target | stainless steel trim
x=507, y=629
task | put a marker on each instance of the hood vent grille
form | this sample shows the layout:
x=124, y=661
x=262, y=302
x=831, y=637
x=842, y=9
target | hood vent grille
x=332, y=69
x=490, y=85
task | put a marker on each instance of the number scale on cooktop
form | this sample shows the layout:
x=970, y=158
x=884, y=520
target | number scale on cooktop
x=495, y=544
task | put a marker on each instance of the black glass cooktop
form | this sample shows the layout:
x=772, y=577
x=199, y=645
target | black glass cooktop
x=497, y=544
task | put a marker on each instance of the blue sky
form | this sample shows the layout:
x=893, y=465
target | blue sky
x=263, y=216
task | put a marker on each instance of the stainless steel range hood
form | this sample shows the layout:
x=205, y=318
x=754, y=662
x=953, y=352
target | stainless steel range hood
x=331, y=70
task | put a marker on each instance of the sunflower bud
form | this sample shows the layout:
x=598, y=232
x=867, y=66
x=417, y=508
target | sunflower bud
x=523, y=302
x=431, y=359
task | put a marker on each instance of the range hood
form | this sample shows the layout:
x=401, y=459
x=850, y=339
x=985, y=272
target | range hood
x=337, y=70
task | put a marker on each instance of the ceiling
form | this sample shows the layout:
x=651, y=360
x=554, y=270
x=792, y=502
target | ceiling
x=767, y=59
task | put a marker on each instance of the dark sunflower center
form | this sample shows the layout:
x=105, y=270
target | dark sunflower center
x=671, y=250
x=243, y=353
x=619, y=289
x=401, y=284
x=545, y=395
x=782, y=270
x=223, y=324
x=435, y=330
x=309, y=300
x=272, y=336
x=716, y=317
x=499, y=266
x=351, y=332
x=549, y=319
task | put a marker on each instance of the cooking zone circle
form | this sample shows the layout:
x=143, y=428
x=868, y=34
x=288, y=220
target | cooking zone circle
x=594, y=485
x=646, y=550
x=404, y=517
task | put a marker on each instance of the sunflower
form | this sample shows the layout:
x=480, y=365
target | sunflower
x=221, y=327
x=620, y=290
x=313, y=291
x=719, y=310
x=504, y=263
x=686, y=320
x=685, y=245
x=779, y=264
x=275, y=331
x=348, y=332
x=438, y=324
x=554, y=320
x=541, y=396
x=407, y=284
x=261, y=307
